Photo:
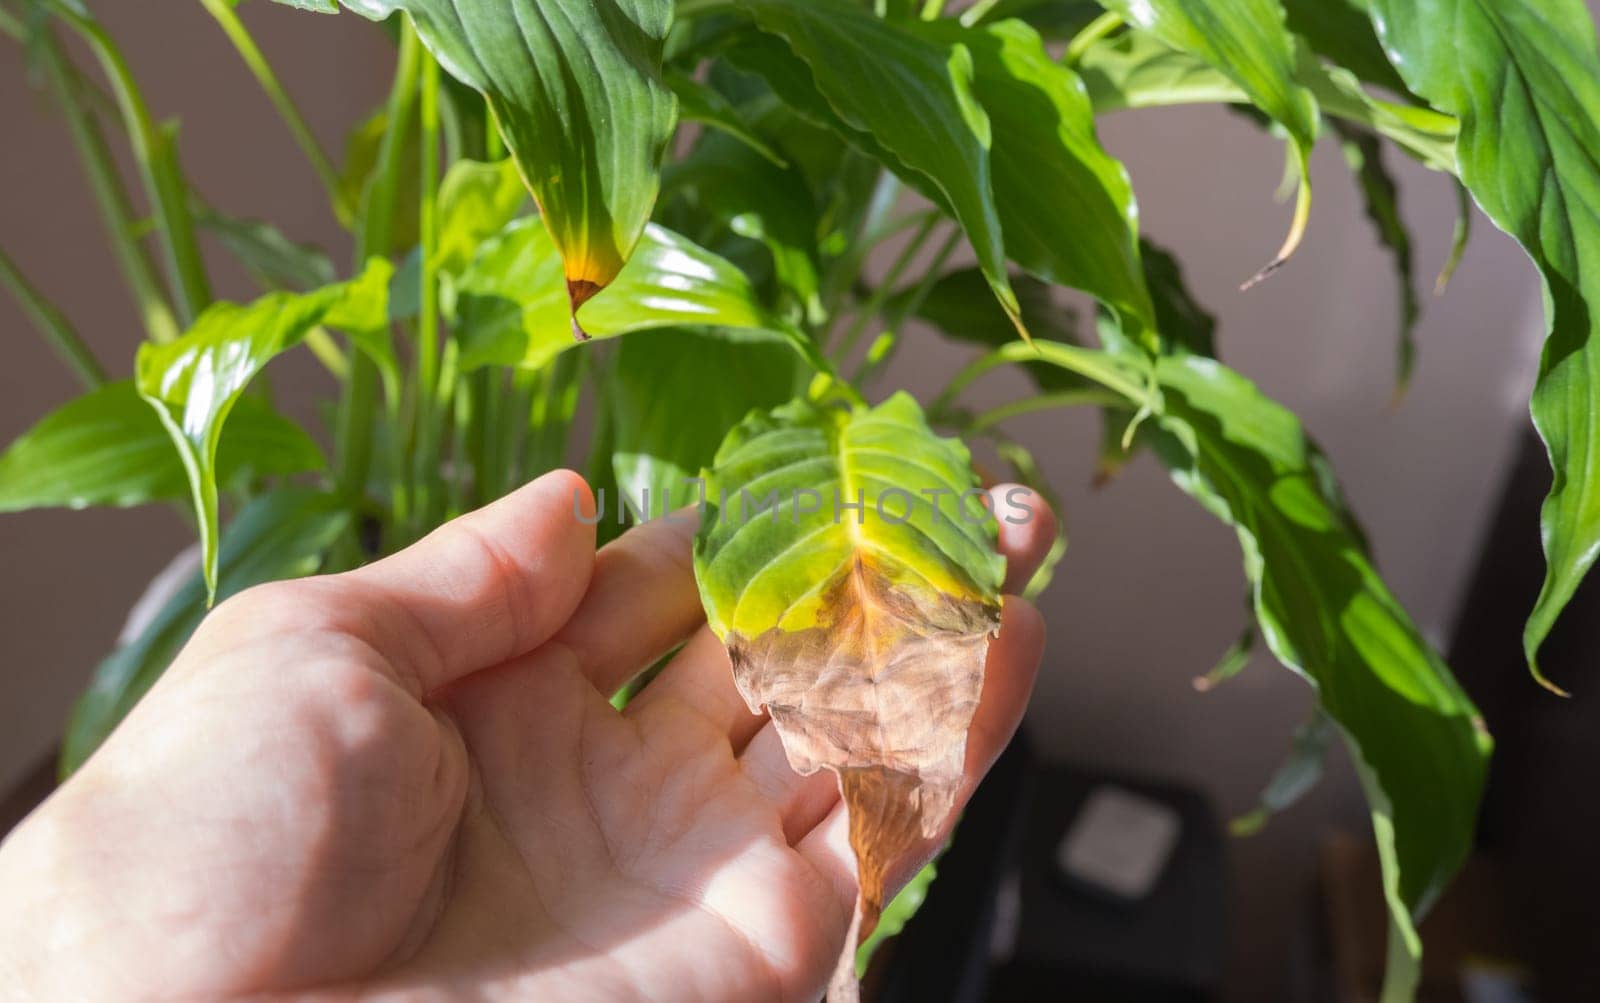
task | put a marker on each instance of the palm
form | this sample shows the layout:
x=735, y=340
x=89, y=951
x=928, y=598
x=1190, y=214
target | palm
x=406, y=781
x=612, y=843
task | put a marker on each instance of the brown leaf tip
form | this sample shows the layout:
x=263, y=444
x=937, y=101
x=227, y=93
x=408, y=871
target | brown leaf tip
x=579, y=292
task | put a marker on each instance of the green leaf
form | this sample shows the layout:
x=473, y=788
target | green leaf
x=476, y=200
x=896, y=915
x=863, y=631
x=903, y=97
x=1054, y=19
x=1137, y=70
x=1066, y=207
x=700, y=103
x=673, y=397
x=1524, y=79
x=279, y=535
x=1418, y=743
x=109, y=448
x=194, y=382
x=1363, y=152
x=1247, y=40
x=512, y=308
x=576, y=89
x=272, y=259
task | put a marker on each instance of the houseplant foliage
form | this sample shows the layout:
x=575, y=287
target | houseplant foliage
x=664, y=212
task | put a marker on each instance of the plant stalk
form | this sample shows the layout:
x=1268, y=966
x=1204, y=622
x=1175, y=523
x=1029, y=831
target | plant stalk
x=426, y=436
x=116, y=210
x=353, y=438
x=222, y=11
x=885, y=289
x=155, y=154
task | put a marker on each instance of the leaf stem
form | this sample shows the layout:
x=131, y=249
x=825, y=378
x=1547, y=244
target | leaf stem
x=116, y=210
x=932, y=9
x=977, y=12
x=426, y=436
x=1095, y=31
x=53, y=325
x=1111, y=372
x=1044, y=402
x=222, y=11
x=155, y=154
x=885, y=289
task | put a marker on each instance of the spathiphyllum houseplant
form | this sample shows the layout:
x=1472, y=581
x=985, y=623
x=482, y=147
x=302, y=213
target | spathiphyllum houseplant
x=662, y=215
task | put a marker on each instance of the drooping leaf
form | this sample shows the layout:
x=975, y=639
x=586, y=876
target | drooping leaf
x=272, y=259
x=576, y=90
x=512, y=308
x=1295, y=778
x=1066, y=207
x=1524, y=79
x=109, y=448
x=1419, y=744
x=279, y=535
x=674, y=395
x=1248, y=41
x=194, y=382
x=863, y=632
x=898, y=94
x=1363, y=151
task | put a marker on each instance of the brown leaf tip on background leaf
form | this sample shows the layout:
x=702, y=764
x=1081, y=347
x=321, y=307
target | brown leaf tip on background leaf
x=579, y=292
x=881, y=691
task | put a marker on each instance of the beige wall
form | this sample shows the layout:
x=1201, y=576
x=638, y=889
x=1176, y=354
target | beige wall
x=1151, y=591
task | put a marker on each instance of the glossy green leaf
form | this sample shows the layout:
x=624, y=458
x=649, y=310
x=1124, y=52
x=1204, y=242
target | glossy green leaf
x=576, y=89
x=512, y=308
x=1066, y=207
x=1418, y=743
x=674, y=395
x=1524, y=79
x=109, y=448
x=905, y=97
x=863, y=630
x=1363, y=152
x=194, y=382
x=1248, y=41
x=279, y=535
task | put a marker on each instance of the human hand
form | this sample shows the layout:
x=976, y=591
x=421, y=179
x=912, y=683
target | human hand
x=407, y=781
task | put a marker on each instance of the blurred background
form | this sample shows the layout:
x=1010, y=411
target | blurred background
x=1151, y=592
